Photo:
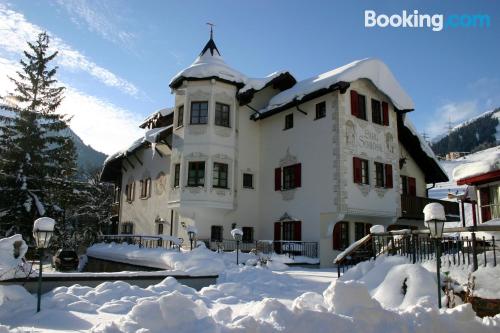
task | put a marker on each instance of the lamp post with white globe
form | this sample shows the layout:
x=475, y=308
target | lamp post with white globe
x=435, y=219
x=237, y=235
x=43, y=229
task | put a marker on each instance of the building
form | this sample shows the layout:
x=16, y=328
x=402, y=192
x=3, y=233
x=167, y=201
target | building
x=483, y=177
x=319, y=160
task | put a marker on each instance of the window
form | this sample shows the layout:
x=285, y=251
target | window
x=220, y=175
x=490, y=202
x=145, y=188
x=341, y=236
x=292, y=176
x=129, y=190
x=360, y=172
x=160, y=228
x=180, y=115
x=216, y=233
x=177, y=174
x=199, y=113
x=289, y=121
x=320, y=110
x=376, y=112
x=247, y=180
x=247, y=235
x=358, y=105
x=292, y=231
x=359, y=230
x=222, y=114
x=379, y=174
x=127, y=228
x=196, y=174
x=116, y=197
x=408, y=186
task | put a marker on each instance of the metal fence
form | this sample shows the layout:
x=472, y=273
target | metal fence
x=290, y=248
x=140, y=240
x=459, y=246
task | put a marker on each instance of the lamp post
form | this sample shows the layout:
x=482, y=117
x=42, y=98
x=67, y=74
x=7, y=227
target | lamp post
x=43, y=228
x=435, y=219
x=237, y=235
x=191, y=231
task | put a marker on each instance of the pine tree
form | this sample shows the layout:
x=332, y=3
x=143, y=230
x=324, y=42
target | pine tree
x=37, y=162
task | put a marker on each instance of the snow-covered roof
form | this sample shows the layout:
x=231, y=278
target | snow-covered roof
x=157, y=114
x=490, y=163
x=373, y=69
x=209, y=64
x=259, y=83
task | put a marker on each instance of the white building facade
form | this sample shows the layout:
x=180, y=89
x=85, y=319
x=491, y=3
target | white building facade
x=319, y=160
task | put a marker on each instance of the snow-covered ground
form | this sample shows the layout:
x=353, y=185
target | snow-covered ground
x=368, y=298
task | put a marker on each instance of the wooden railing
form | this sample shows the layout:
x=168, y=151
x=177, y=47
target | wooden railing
x=412, y=207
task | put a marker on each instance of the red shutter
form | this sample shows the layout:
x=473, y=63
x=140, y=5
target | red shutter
x=297, y=174
x=277, y=179
x=388, y=175
x=356, y=170
x=385, y=113
x=297, y=231
x=277, y=231
x=354, y=103
x=412, y=186
x=336, y=236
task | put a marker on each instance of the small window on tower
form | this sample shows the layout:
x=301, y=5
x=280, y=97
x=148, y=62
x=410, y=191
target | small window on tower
x=289, y=121
x=180, y=115
x=320, y=110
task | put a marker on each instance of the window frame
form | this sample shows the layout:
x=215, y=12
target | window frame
x=177, y=175
x=199, y=110
x=365, y=172
x=251, y=182
x=246, y=238
x=219, y=175
x=222, y=115
x=199, y=174
x=289, y=177
x=377, y=117
x=320, y=110
x=145, y=188
x=288, y=121
x=130, y=192
x=180, y=116
x=379, y=174
x=362, y=107
x=220, y=233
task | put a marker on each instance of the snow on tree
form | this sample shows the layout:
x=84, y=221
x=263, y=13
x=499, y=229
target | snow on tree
x=34, y=152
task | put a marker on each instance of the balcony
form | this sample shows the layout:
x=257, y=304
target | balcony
x=412, y=207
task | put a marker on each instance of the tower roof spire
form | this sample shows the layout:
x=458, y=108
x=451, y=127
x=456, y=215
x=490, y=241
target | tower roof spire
x=210, y=46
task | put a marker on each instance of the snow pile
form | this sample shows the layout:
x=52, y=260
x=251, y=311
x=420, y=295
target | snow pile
x=236, y=231
x=372, y=69
x=44, y=224
x=377, y=229
x=489, y=163
x=434, y=211
x=156, y=115
x=12, y=251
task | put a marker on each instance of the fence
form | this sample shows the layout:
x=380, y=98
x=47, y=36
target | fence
x=143, y=241
x=462, y=247
x=290, y=248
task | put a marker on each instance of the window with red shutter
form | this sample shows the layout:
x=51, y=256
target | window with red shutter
x=354, y=103
x=484, y=195
x=356, y=169
x=412, y=186
x=388, y=176
x=298, y=176
x=385, y=113
x=277, y=179
x=341, y=236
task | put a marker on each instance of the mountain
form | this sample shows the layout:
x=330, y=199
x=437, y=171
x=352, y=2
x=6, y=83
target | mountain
x=476, y=134
x=88, y=158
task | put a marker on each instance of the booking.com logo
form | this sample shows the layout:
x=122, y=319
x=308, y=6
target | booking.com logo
x=437, y=22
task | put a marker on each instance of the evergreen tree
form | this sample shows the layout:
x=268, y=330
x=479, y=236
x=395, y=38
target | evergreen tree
x=37, y=161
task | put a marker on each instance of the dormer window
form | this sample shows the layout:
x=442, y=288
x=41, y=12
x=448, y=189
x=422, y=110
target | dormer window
x=222, y=114
x=199, y=113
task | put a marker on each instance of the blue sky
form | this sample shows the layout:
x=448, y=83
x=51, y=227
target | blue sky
x=119, y=56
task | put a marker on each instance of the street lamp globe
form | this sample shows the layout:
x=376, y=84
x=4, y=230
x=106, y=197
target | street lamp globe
x=435, y=219
x=237, y=234
x=43, y=229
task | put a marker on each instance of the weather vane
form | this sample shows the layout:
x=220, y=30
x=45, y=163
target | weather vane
x=211, y=29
